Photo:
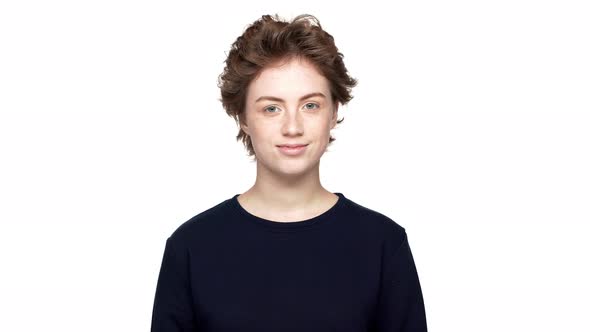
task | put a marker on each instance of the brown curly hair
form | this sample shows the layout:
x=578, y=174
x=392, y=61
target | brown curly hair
x=268, y=40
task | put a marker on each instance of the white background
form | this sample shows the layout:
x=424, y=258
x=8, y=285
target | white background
x=469, y=127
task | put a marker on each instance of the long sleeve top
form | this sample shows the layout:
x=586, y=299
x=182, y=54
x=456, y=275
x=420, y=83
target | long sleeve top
x=348, y=269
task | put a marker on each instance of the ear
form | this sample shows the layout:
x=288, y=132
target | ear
x=334, y=116
x=243, y=126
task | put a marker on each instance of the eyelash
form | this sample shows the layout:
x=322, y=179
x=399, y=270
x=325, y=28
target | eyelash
x=317, y=106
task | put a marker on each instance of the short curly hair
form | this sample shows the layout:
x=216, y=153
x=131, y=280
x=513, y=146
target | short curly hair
x=268, y=40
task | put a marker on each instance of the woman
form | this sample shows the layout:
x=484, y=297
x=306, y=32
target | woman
x=287, y=254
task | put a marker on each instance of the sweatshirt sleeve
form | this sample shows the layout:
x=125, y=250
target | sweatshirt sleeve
x=401, y=305
x=172, y=309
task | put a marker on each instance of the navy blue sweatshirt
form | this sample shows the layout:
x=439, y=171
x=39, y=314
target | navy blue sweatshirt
x=347, y=269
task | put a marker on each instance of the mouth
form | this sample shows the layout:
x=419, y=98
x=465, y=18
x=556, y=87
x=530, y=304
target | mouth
x=291, y=146
x=292, y=149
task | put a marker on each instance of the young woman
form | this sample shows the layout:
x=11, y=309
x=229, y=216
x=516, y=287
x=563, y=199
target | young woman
x=287, y=254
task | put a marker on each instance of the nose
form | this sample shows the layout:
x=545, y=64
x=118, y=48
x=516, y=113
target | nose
x=292, y=123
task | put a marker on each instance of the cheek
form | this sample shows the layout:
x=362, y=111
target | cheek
x=327, y=128
x=263, y=135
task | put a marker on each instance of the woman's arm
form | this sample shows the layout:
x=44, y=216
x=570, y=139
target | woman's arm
x=173, y=310
x=401, y=305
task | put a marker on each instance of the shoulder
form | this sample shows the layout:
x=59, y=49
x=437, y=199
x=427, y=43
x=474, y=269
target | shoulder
x=377, y=221
x=189, y=229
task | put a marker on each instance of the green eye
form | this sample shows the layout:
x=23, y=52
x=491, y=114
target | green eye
x=270, y=107
x=314, y=104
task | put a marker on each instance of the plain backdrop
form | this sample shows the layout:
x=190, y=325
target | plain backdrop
x=469, y=127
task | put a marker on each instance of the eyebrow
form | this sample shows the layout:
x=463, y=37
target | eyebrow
x=309, y=95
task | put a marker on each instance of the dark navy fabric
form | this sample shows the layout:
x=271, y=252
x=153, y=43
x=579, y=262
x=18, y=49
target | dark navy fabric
x=347, y=269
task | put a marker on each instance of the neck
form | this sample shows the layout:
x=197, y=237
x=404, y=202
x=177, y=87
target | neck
x=287, y=192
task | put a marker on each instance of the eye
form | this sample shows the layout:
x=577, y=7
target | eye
x=313, y=104
x=270, y=108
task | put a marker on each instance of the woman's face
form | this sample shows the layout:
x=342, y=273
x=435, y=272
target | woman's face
x=289, y=103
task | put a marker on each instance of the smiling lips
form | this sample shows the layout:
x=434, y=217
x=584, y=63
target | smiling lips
x=292, y=149
x=291, y=145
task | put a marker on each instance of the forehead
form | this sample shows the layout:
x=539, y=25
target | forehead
x=289, y=79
